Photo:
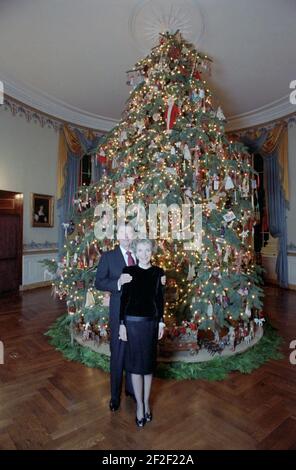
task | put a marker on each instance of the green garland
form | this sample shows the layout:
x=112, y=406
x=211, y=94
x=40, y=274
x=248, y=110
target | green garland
x=217, y=369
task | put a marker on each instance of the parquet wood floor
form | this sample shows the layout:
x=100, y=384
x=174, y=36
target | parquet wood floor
x=47, y=402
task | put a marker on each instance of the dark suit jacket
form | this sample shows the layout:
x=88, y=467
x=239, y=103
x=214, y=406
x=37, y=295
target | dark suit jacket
x=109, y=270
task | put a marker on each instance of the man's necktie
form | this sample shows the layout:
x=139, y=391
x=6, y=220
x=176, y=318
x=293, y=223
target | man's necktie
x=130, y=259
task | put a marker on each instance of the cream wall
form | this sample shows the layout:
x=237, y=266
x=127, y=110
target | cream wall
x=28, y=163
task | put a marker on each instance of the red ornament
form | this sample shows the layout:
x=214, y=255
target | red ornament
x=171, y=114
x=101, y=156
x=174, y=52
x=197, y=75
x=183, y=70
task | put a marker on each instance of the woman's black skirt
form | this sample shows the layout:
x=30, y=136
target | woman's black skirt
x=141, y=346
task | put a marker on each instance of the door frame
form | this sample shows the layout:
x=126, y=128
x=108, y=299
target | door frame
x=11, y=202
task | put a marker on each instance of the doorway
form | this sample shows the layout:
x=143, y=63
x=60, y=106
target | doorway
x=11, y=240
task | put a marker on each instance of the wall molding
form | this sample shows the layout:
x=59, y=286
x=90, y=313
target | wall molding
x=56, y=112
x=271, y=112
x=54, y=109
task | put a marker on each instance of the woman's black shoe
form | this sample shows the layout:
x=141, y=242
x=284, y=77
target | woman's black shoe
x=140, y=422
x=148, y=417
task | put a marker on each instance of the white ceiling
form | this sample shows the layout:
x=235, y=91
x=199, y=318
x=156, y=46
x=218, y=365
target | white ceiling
x=70, y=56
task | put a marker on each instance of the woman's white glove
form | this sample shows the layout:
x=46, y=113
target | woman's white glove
x=122, y=333
x=161, y=327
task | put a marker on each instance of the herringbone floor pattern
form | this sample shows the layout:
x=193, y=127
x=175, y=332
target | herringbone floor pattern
x=47, y=402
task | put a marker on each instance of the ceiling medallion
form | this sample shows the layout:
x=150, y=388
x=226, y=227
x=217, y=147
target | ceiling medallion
x=151, y=17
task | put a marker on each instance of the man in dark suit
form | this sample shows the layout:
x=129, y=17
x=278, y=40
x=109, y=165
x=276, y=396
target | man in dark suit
x=109, y=277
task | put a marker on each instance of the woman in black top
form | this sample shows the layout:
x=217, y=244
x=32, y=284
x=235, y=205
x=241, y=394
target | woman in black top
x=141, y=324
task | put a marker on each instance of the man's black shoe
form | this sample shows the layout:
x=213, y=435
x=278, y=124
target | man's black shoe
x=113, y=405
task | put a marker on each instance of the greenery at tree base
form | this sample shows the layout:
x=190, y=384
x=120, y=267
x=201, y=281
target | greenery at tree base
x=218, y=368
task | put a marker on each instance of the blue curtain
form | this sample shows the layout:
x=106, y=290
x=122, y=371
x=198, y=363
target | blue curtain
x=72, y=167
x=277, y=215
x=65, y=204
x=276, y=203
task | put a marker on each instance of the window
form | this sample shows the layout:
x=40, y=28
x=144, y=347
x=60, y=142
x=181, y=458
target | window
x=85, y=170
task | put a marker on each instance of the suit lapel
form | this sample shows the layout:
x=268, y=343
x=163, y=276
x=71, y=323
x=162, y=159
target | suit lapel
x=119, y=256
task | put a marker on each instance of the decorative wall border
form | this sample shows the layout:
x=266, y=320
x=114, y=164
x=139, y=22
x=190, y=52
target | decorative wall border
x=19, y=109
x=44, y=120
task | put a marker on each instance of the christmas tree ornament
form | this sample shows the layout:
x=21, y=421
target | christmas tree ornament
x=101, y=156
x=245, y=187
x=227, y=254
x=210, y=309
x=229, y=216
x=65, y=227
x=191, y=272
x=215, y=182
x=123, y=136
x=220, y=114
x=244, y=235
x=171, y=113
x=228, y=183
x=248, y=311
x=259, y=321
x=90, y=300
x=194, y=96
x=231, y=338
x=156, y=117
x=187, y=153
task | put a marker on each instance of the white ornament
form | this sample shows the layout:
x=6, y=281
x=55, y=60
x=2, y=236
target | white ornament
x=220, y=114
x=123, y=136
x=228, y=183
x=245, y=187
x=186, y=153
x=210, y=309
x=229, y=216
x=188, y=193
x=65, y=226
x=191, y=272
x=244, y=235
x=90, y=300
x=248, y=311
x=259, y=321
x=227, y=254
x=211, y=206
x=171, y=170
x=231, y=337
x=216, y=182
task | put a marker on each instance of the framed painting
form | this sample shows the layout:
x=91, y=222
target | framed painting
x=42, y=210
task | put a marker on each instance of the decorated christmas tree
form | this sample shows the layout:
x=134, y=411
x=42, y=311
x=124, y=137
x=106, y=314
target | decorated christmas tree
x=170, y=149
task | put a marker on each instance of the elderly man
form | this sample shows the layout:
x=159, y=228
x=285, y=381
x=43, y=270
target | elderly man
x=109, y=277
